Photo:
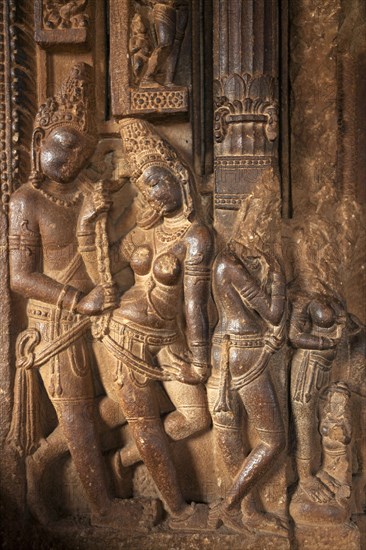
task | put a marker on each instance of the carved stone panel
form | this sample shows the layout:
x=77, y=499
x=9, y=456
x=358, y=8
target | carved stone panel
x=147, y=62
x=61, y=21
x=182, y=364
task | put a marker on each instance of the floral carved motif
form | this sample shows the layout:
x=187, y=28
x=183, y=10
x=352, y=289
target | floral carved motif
x=245, y=98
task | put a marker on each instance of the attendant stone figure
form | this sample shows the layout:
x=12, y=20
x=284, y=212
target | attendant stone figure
x=317, y=322
x=139, y=46
x=250, y=295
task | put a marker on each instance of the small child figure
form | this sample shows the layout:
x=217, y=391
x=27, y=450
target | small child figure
x=139, y=46
x=336, y=431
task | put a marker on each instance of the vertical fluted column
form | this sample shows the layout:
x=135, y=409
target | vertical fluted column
x=246, y=70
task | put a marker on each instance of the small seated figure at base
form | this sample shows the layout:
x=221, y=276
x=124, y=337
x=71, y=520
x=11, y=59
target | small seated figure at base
x=335, y=472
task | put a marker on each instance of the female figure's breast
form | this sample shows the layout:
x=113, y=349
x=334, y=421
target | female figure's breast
x=153, y=301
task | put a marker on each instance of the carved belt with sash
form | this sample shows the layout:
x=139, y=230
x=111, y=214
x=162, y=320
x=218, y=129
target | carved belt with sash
x=269, y=343
x=24, y=434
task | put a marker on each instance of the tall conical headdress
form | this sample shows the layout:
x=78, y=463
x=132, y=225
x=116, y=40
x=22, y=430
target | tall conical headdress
x=73, y=105
x=145, y=147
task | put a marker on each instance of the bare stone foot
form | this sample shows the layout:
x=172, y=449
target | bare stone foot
x=261, y=522
x=130, y=515
x=341, y=490
x=220, y=515
x=316, y=490
x=193, y=518
x=149, y=83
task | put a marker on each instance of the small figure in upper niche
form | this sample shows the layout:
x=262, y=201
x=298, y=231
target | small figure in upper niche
x=139, y=46
x=65, y=14
x=249, y=292
x=168, y=21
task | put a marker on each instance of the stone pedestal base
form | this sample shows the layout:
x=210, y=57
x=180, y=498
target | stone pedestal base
x=342, y=537
x=86, y=537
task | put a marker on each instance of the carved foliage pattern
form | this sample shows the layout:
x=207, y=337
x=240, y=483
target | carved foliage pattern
x=245, y=98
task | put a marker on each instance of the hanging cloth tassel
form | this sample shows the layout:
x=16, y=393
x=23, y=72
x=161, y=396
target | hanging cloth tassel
x=222, y=404
x=25, y=433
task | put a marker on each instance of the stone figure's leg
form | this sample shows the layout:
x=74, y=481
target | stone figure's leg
x=191, y=414
x=239, y=510
x=50, y=450
x=79, y=428
x=164, y=18
x=228, y=432
x=139, y=404
x=261, y=404
x=54, y=447
x=110, y=415
x=171, y=62
x=304, y=414
x=76, y=412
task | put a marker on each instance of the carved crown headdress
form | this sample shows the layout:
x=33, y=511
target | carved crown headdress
x=145, y=147
x=72, y=105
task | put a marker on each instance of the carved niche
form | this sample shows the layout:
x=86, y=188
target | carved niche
x=150, y=71
x=61, y=21
x=181, y=365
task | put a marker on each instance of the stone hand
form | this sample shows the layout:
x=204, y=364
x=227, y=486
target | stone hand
x=95, y=302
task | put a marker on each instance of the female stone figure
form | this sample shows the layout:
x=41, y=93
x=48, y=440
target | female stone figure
x=249, y=292
x=47, y=269
x=317, y=321
x=144, y=342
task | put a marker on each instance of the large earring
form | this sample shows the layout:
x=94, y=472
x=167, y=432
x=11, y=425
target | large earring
x=186, y=196
x=36, y=176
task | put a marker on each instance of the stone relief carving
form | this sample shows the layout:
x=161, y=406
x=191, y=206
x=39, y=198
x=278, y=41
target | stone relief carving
x=250, y=295
x=156, y=34
x=168, y=251
x=43, y=224
x=156, y=31
x=187, y=381
x=245, y=98
x=65, y=14
x=61, y=22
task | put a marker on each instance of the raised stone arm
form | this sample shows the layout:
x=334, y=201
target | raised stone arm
x=269, y=306
x=197, y=292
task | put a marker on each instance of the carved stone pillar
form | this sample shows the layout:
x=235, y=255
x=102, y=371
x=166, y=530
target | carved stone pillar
x=246, y=71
